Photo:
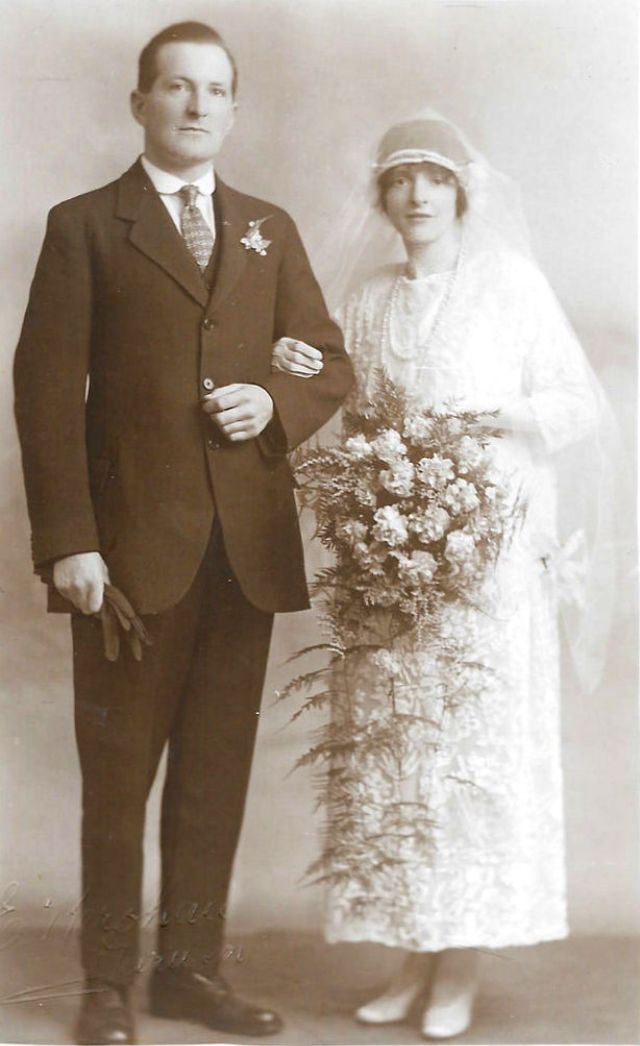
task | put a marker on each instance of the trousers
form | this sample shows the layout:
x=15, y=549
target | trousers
x=197, y=691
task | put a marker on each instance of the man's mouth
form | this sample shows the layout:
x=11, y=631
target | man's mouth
x=194, y=130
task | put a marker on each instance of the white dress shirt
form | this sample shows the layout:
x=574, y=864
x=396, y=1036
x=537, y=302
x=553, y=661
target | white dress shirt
x=169, y=185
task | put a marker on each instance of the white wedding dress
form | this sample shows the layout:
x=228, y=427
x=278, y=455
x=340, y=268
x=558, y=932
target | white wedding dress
x=490, y=336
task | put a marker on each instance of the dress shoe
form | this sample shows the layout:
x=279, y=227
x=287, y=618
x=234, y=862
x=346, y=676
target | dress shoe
x=105, y=1015
x=183, y=995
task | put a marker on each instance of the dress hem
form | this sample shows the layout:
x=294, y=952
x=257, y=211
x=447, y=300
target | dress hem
x=494, y=944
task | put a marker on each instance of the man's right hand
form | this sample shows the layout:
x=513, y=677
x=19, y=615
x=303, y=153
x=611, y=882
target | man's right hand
x=81, y=579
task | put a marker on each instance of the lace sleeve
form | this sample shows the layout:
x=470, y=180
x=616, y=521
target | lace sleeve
x=561, y=392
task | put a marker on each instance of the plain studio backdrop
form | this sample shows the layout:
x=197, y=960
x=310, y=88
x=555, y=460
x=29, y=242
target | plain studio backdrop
x=547, y=91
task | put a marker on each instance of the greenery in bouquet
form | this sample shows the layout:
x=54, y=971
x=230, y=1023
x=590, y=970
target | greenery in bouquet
x=415, y=513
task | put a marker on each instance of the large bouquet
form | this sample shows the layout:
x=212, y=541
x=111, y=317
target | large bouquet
x=412, y=507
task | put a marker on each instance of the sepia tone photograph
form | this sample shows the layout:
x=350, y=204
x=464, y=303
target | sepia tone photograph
x=319, y=569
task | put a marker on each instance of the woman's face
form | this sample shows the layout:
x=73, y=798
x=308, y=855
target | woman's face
x=420, y=202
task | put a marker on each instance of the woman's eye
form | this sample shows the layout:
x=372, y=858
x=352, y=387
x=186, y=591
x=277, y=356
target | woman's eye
x=219, y=92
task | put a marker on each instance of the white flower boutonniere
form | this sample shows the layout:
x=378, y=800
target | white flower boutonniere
x=253, y=240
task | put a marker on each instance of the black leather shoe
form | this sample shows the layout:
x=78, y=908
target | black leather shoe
x=182, y=994
x=105, y=1016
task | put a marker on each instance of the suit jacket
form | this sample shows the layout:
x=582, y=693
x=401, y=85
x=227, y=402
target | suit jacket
x=120, y=340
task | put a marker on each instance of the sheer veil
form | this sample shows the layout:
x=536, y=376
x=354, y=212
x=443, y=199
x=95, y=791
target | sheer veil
x=362, y=240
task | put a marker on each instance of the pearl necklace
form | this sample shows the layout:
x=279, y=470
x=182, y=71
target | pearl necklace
x=392, y=300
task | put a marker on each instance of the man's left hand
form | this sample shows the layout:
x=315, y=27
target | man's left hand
x=240, y=411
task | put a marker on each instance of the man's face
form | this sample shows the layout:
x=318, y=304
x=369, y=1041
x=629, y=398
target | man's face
x=189, y=109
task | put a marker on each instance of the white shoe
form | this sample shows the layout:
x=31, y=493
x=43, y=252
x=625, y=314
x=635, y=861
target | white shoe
x=388, y=1008
x=408, y=983
x=446, y=1022
x=453, y=994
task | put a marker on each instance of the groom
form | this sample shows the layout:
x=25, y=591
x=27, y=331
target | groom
x=154, y=440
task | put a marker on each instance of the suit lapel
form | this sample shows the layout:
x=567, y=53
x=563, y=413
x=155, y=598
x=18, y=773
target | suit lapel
x=231, y=225
x=154, y=234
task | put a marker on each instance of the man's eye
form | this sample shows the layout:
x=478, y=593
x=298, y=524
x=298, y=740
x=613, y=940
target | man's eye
x=176, y=87
x=219, y=92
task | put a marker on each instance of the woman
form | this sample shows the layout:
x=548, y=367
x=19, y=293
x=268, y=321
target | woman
x=468, y=321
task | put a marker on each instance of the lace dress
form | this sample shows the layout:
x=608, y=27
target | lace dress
x=494, y=875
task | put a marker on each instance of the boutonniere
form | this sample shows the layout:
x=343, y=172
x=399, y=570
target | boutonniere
x=253, y=240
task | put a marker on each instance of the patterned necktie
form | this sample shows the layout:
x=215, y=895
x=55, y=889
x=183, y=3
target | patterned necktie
x=195, y=231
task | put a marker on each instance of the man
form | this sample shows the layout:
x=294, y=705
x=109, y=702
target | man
x=154, y=440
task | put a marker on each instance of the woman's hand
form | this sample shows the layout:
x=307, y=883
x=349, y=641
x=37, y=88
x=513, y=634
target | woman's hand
x=296, y=357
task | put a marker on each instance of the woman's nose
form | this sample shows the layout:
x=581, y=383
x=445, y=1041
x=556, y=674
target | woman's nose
x=420, y=189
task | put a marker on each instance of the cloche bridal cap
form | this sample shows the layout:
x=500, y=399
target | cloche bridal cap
x=422, y=141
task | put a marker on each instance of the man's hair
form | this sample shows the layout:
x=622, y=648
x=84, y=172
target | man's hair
x=181, y=32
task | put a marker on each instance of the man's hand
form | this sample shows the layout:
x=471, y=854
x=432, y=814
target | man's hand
x=81, y=579
x=296, y=357
x=241, y=412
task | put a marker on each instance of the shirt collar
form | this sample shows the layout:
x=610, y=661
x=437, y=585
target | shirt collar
x=168, y=184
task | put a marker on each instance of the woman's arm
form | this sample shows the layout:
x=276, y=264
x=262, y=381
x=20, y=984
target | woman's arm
x=562, y=401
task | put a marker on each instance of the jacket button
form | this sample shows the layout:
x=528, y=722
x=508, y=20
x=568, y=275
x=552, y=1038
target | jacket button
x=213, y=444
x=207, y=384
x=208, y=324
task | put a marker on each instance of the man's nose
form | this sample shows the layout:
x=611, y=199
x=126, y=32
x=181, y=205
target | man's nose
x=198, y=103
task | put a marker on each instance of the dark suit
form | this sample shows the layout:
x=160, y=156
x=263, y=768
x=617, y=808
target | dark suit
x=135, y=469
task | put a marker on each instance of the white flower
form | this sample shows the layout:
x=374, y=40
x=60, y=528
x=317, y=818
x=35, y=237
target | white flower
x=460, y=496
x=471, y=454
x=431, y=524
x=460, y=548
x=351, y=531
x=417, y=568
x=363, y=494
x=399, y=478
x=370, y=557
x=435, y=472
x=253, y=240
x=389, y=446
x=390, y=526
x=358, y=446
x=417, y=427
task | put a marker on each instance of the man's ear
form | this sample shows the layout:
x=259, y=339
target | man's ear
x=137, y=100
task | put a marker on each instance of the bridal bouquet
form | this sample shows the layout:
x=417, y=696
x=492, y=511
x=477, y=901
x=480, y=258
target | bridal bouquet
x=416, y=515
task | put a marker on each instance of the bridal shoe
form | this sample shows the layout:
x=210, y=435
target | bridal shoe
x=388, y=1009
x=446, y=1022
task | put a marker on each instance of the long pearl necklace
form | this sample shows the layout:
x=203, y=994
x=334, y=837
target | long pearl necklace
x=417, y=347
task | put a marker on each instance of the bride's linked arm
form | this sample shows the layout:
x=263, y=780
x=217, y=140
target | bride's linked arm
x=296, y=357
x=561, y=401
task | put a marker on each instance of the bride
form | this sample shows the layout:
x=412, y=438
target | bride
x=467, y=320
